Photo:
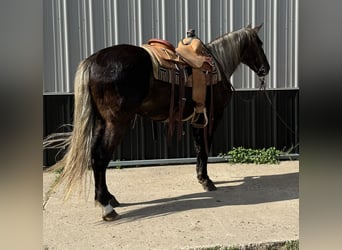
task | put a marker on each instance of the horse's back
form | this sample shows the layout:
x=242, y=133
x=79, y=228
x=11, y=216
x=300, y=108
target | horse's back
x=118, y=62
x=121, y=70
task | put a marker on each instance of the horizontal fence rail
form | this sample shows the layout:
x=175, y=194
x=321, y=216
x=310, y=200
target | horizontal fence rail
x=136, y=163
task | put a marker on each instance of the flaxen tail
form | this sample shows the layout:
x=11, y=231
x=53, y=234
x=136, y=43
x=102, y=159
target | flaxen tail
x=77, y=159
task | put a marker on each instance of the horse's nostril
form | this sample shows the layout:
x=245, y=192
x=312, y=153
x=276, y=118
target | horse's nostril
x=262, y=70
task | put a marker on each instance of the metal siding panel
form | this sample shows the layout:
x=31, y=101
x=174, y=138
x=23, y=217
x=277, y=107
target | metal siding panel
x=294, y=38
x=58, y=46
x=147, y=21
x=49, y=63
x=123, y=28
x=87, y=26
x=169, y=20
x=101, y=26
x=281, y=44
x=74, y=46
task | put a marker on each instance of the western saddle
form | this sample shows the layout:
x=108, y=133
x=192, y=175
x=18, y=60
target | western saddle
x=188, y=65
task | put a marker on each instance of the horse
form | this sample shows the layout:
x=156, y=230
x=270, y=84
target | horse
x=116, y=83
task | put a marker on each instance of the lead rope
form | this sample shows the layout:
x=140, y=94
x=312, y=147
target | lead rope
x=263, y=88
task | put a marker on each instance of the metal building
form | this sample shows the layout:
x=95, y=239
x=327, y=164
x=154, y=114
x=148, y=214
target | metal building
x=73, y=30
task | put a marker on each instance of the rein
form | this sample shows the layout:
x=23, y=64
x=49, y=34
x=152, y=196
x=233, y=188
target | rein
x=262, y=89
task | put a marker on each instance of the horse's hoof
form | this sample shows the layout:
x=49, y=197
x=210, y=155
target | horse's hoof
x=113, y=202
x=111, y=216
x=209, y=186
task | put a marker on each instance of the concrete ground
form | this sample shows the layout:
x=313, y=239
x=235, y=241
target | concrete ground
x=165, y=207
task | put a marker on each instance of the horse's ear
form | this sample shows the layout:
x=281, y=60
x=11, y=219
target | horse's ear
x=257, y=28
x=249, y=26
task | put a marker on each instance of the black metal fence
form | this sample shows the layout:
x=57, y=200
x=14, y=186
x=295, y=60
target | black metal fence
x=253, y=119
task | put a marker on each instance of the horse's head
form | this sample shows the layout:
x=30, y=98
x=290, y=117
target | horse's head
x=252, y=53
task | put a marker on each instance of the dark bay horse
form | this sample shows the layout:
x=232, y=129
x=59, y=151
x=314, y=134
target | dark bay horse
x=116, y=83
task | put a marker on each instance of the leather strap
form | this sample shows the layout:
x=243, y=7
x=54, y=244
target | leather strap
x=172, y=101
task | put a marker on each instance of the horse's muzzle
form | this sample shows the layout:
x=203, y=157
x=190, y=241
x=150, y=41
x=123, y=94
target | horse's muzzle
x=263, y=71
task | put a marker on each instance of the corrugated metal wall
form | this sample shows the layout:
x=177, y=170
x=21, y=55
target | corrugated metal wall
x=73, y=30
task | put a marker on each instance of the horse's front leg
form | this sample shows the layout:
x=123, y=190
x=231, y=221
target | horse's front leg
x=202, y=159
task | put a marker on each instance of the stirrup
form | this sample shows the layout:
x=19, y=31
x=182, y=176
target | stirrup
x=197, y=125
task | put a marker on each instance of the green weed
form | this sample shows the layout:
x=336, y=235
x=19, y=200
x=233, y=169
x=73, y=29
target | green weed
x=248, y=155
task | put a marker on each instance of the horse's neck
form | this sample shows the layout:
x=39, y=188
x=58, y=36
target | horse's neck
x=226, y=50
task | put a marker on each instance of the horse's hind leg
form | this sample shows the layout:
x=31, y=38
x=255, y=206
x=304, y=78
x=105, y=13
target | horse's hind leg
x=107, y=136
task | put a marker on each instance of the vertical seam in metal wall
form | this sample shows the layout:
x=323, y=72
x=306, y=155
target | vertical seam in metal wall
x=116, y=23
x=268, y=41
x=275, y=24
x=60, y=48
x=153, y=30
x=293, y=37
x=66, y=49
x=186, y=14
x=178, y=19
x=54, y=47
x=139, y=23
x=287, y=74
x=163, y=23
x=83, y=38
x=157, y=22
x=105, y=9
x=253, y=110
x=80, y=29
x=110, y=26
x=209, y=21
x=128, y=19
x=133, y=22
x=142, y=138
x=274, y=113
x=198, y=18
x=296, y=44
x=231, y=28
x=245, y=76
x=221, y=16
x=231, y=15
x=253, y=13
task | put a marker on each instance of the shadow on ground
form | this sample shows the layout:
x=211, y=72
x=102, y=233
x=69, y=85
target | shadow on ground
x=246, y=191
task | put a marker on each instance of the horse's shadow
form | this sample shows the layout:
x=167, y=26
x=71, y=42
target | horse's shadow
x=249, y=190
